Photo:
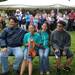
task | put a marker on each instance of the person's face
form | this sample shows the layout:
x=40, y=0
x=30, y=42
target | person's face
x=31, y=29
x=12, y=23
x=60, y=27
x=44, y=27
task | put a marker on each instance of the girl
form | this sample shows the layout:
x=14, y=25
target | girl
x=43, y=53
x=28, y=38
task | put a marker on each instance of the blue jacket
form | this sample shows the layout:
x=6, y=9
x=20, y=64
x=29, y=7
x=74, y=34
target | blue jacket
x=12, y=37
x=45, y=39
x=2, y=42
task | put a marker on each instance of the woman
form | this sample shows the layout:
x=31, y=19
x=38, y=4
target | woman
x=44, y=52
x=2, y=25
x=28, y=38
x=1, y=28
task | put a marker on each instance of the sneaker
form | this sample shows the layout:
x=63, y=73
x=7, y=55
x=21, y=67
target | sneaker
x=67, y=69
x=58, y=72
x=47, y=73
x=41, y=73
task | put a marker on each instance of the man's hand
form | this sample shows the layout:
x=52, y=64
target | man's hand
x=55, y=50
x=64, y=53
x=4, y=49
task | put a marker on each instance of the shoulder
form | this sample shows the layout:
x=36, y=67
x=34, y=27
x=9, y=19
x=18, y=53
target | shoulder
x=23, y=30
x=37, y=34
x=53, y=32
x=6, y=29
x=66, y=33
x=27, y=34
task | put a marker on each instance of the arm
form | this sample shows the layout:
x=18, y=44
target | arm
x=25, y=41
x=67, y=43
x=3, y=39
x=53, y=42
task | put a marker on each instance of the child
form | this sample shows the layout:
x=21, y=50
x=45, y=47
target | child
x=61, y=42
x=30, y=37
x=44, y=52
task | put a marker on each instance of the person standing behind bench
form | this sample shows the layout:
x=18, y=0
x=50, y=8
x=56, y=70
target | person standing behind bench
x=61, y=42
x=12, y=37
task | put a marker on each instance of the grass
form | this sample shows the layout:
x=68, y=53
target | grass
x=51, y=62
x=72, y=41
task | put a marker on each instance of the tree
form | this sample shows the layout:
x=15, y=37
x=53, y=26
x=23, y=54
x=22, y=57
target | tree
x=2, y=0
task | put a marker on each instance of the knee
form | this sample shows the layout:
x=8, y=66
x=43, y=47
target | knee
x=19, y=56
x=0, y=55
x=45, y=56
x=40, y=53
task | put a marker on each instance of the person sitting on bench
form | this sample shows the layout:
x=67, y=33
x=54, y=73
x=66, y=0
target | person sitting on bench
x=61, y=42
x=31, y=42
x=12, y=37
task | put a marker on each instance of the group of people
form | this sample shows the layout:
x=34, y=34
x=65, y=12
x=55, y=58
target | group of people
x=12, y=38
x=25, y=18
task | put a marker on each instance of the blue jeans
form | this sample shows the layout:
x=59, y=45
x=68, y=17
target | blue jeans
x=17, y=52
x=44, y=61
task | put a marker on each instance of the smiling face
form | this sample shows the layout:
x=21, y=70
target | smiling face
x=31, y=29
x=44, y=27
x=60, y=27
x=12, y=23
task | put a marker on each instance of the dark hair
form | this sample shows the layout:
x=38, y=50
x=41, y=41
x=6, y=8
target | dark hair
x=13, y=18
x=33, y=26
x=61, y=22
x=45, y=22
x=2, y=22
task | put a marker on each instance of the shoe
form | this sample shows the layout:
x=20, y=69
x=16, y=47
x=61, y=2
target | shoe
x=67, y=69
x=41, y=73
x=6, y=73
x=16, y=72
x=47, y=73
x=58, y=72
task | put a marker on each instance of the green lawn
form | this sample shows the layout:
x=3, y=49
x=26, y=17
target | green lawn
x=73, y=41
x=51, y=61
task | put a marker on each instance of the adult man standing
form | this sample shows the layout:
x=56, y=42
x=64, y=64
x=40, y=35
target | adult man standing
x=12, y=37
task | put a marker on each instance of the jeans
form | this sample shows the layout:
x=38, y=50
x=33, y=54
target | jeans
x=44, y=61
x=17, y=52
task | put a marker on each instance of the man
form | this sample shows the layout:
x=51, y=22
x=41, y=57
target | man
x=61, y=41
x=19, y=15
x=12, y=37
x=27, y=18
x=71, y=20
